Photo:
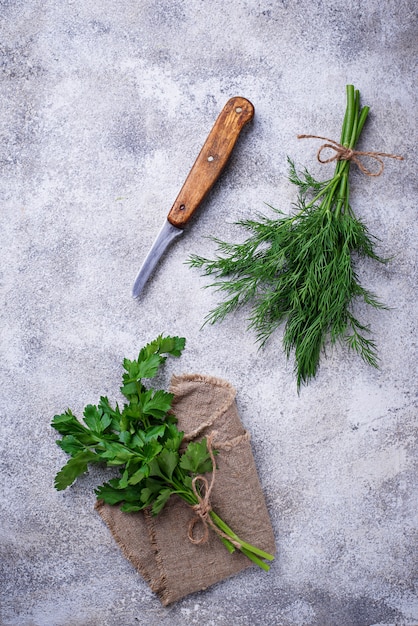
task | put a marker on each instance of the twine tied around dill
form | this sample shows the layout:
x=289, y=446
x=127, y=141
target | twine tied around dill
x=203, y=506
x=342, y=153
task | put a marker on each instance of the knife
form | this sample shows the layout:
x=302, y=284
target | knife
x=203, y=175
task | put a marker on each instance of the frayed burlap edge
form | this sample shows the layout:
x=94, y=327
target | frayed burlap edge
x=175, y=384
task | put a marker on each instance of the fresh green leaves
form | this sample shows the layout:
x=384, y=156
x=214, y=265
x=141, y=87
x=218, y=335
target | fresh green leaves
x=299, y=268
x=143, y=441
x=196, y=459
x=149, y=360
x=156, y=403
x=96, y=419
x=132, y=437
x=160, y=500
x=74, y=467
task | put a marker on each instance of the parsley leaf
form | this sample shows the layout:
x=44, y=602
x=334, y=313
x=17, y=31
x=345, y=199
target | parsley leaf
x=156, y=403
x=196, y=458
x=75, y=466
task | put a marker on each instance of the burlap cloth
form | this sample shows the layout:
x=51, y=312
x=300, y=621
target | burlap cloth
x=159, y=546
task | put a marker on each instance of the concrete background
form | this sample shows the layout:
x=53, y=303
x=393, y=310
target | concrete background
x=104, y=108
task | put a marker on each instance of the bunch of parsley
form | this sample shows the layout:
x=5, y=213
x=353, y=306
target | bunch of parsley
x=143, y=441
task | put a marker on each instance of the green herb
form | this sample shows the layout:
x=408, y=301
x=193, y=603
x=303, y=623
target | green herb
x=299, y=267
x=143, y=440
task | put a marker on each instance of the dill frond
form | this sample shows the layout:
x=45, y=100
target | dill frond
x=298, y=268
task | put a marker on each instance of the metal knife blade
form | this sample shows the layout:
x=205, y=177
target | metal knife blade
x=203, y=175
x=164, y=238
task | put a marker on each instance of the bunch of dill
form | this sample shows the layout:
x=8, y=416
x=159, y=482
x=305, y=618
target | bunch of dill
x=299, y=267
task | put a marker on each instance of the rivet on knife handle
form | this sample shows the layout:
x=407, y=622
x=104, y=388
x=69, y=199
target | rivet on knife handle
x=211, y=160
x=204, y=173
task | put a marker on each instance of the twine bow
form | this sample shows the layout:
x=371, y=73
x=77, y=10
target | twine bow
x=203, y=506
x=348, y=154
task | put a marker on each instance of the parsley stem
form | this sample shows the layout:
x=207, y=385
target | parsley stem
x=264, y=566
x=247, y=546
x=252, y=552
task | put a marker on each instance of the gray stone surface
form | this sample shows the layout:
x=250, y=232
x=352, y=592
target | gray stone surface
x=104, y=107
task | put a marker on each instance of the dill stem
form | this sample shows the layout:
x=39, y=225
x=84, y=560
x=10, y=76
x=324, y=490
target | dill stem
x=328, y=202
x=337, y=187
x=353, y=123
x=362, y=118
x=353, y=129
x=319, y=195
x=342, y=197
x=349, y=117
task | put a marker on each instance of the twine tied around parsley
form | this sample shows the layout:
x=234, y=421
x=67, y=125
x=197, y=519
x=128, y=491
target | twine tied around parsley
x=203, y=506
x=342, y=153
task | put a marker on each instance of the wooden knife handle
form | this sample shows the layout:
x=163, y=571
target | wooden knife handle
x=211, y=160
